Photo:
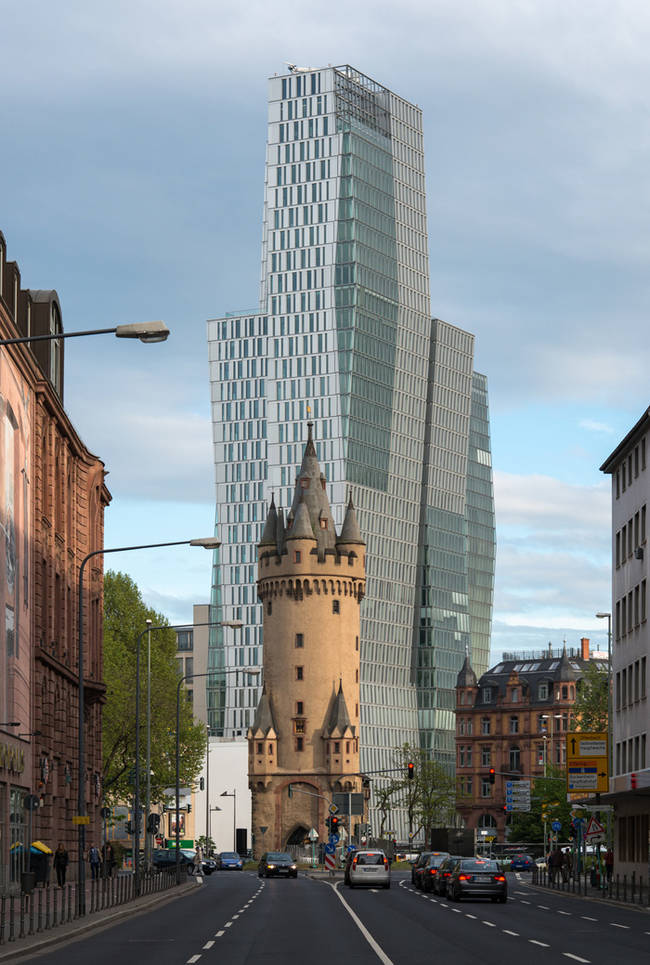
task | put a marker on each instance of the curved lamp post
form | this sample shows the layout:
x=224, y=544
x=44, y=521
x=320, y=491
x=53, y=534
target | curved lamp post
x=209, y=542
x=190, y=676
x=145, y=331
x=236, y=625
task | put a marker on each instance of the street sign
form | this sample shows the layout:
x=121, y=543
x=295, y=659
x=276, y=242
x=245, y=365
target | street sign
x=330, y=862
x=556, y=826
x=330, y=848
x=80, y=819
x=594, y=829
x=333, y=809
x=313, y=835
x=350, y=848
x=264, y=828
x=517, y=795
x=334, y=839
x=344, y=802
x=587, y=761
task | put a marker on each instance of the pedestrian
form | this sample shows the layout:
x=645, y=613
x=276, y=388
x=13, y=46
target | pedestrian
x=556, y=863
x=95, y=861
x=567, y=867
x=60, y=864
x=108, y=859
x=198, y=861
x=609, y=864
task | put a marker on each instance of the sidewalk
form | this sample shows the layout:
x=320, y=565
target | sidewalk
x=33, y=944
x=593, y=893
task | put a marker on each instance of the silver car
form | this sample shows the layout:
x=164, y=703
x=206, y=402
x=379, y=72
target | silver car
x=370, y=867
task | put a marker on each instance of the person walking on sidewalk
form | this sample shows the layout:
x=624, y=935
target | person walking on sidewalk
x=609, y=864
x=60, y=864
x=95, y=861
x=555, y=864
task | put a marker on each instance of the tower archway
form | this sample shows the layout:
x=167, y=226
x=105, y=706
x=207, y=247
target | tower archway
x=297, y=836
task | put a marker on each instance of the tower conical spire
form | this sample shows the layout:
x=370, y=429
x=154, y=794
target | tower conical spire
x=350, y=532
x=270, y=527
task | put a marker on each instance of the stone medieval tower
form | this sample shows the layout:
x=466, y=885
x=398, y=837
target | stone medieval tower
x=311, y=582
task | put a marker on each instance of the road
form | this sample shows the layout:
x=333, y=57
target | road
x=237, y=919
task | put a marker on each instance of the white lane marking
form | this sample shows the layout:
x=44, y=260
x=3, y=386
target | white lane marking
x=545, y=907
x=443, y=906
x=228, y=924
x=220, y=933
x=587, y=918
x=470, y=916
x=576, y=957
x=534, y=942
x=490, y=924
x=193, y=959
x=506, y=932
x=564, y=912
x=457, y=911
x=379, y=952
x=521, y=892
x=208, y=945
x=616, y=925
x=235, y=916
x=524, y=902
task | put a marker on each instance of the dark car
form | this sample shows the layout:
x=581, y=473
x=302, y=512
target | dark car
x=521, y=862
x=277, y=864
x=477, y=878
x=162, y=858
x=439, y=882
x=431, y=869
x=230, y=861
x=417, y=865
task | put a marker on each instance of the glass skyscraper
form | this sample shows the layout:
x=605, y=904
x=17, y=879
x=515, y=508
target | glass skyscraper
x=344, y=337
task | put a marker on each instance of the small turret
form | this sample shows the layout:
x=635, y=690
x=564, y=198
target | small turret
x=350, y=532
x=301, y=528
x=269, y=536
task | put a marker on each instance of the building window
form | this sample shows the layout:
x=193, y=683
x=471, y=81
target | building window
x=260, y=748
x=184, y=640
x=485, y=725
x=515, y=695
x=565, y=692
x=300, y=743
x=540, y=753
x=300, y=641
x=461, y=726
x=487, y=694
x=269, y=608
x=300, y=708
x=296, y=556
x=299, y=726
x=514, y=725
x=336, y=606
x=542, y=690
x=270, y=750
x=486, y=756
x=486, y=787
x=300, y=673
x=515, y=758
x=337, y=747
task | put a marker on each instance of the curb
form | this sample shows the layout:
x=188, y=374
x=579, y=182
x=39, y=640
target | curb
x=72, y=931
x=597, y=899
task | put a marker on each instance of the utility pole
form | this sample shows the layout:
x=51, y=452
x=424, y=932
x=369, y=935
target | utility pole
x=147, y=808
x=207, y=792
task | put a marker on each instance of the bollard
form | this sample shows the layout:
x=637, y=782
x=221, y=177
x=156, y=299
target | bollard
x=3, y=909
x=21, y=927
x=624, y=887
x=633, y=886
x=39, y=911
x=12, y=933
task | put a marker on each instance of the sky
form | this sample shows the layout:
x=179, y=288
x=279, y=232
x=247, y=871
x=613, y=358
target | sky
x=132, y=166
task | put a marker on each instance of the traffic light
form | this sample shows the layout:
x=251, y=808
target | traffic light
x=189, y=808
x=633, y=782
x=201, y=784
x=493, y=775
x=334, y=824
x=505, y=808
x=153, y=823
x=129, y=827
x=410, y=770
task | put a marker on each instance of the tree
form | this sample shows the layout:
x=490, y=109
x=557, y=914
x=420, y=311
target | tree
x=548, y=796
x=124, y=619
x=590, y=708
x=429, y=798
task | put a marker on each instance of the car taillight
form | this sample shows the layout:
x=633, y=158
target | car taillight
x=385, y=862
x=446, y=874
x=499, y=877
x=464, y=877
x=433, y=871
x=354, y=862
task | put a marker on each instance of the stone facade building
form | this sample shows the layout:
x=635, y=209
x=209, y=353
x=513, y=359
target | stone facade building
x=513, y=719
x=311, y=582
x=52, y=514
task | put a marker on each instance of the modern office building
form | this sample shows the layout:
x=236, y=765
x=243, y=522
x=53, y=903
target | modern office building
x=344, y=337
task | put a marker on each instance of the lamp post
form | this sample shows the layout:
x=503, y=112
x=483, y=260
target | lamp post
x=147, y=836
x=545, y=739
x=208, y=543
x=233, y=795
x=145, y=331
x=608, y=617
x=252, y=672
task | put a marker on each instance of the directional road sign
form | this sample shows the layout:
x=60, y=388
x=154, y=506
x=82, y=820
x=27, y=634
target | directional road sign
x=330, y=848
x=334, y=839
x=587, y=761
x=517, y=795
x=556, y=826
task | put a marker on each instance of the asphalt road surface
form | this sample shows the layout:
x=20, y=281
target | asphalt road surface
x=234, y=918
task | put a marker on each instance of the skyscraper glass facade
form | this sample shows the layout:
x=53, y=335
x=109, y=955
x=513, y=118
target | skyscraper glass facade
x=345, y=337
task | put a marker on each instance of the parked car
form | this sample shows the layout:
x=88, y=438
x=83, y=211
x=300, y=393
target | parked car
x=477, y=878
x=162, y=858
x=277, y=864
x=367, y=868
x=439, y=882
x=541, y=864
x=521, y=862
x=209, y=865
x=230, y=861
x=417, y=864
x=431, y=869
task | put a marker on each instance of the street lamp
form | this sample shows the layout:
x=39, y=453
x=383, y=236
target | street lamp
x=10, y=723
x=145, y=331
x=545, y=736
x=191, y=676
x=233, y=795
x=608, y=617
x=209, y=542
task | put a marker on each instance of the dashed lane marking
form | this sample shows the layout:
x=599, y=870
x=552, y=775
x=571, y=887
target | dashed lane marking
x=490, y=924
x=616, y=925
x=576, y=958
x=525, y=902
x=234, y=917
x=563, y=912
x=220, y=933
x=228, y=924
x=193, y=959
x=470, y=916
x=587, y=918
x=533, y=941
x=457, y=911
x=545, y=907
x=506, y=932
x=208, y=945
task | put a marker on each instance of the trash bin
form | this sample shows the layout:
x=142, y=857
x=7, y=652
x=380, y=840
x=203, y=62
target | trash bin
x=39, y=867
x=595, y=877
x=27, y=882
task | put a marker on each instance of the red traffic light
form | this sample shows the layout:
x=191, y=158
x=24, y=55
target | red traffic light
x=492, y=773
x=633, y=782
x=410, y=770
x=334, y=822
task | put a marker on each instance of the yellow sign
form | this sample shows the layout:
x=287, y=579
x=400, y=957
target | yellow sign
x=587, y=762
x=80, y=819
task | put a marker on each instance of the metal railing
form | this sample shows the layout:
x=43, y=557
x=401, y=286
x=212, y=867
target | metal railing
x=50, y=906
x=633, y=890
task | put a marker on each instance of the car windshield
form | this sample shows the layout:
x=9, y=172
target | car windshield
x=230, y=854
x=479, y=866
x=370, y=857
x=279, y=856
x=436, y=860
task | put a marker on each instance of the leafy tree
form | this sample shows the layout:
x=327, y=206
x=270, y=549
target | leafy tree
x=548, y=796
x=124, y=619
x=590, y=708
x=429, y=798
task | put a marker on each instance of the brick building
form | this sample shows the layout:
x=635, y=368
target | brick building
x=513, y=719
x=52, y=504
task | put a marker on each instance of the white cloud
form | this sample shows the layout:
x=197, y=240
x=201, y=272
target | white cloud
x=592, y=426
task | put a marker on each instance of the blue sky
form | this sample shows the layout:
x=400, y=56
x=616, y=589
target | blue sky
x=132, y=173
